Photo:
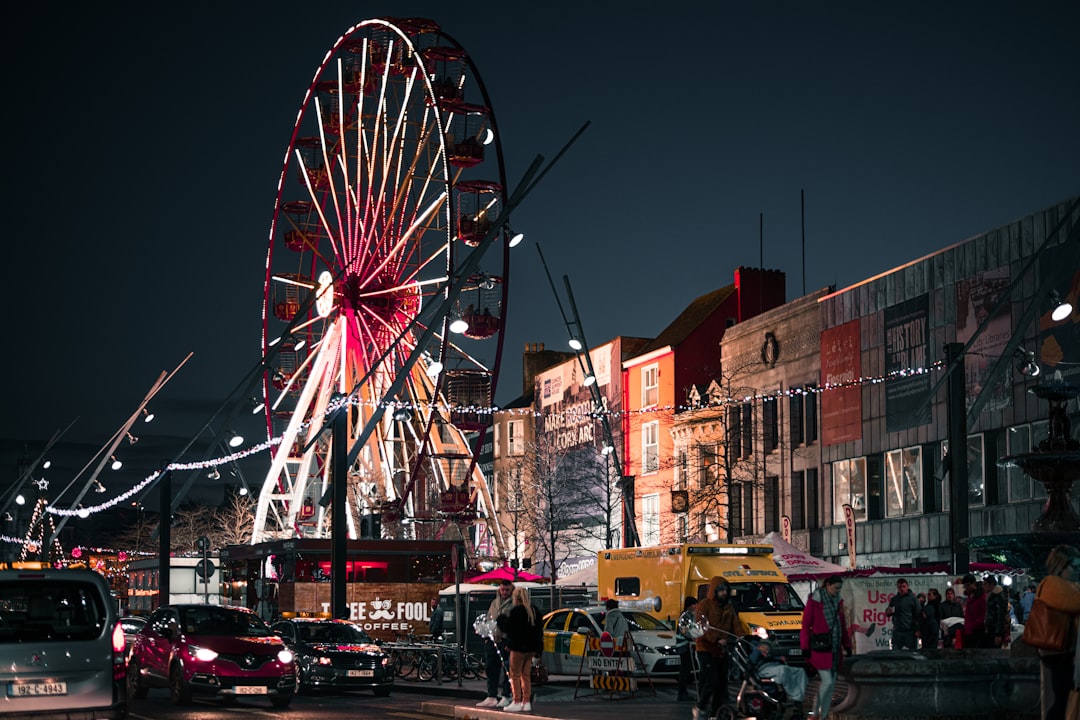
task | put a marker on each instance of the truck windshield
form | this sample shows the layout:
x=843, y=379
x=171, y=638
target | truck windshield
x=765, y=597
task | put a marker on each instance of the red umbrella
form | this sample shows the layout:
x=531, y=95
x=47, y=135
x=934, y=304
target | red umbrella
x=505, y=573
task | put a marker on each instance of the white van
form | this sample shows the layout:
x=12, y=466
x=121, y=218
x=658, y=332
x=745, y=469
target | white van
x=61, y=645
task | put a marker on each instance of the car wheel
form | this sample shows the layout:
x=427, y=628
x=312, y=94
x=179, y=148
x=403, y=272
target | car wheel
x=179, y=692
x=281, y=702
x=135, y=686
x=382, y=691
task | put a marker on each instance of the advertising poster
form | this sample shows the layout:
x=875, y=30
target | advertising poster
x=975, y=299
x=568, y=432
x=867, y=598
x=907, y=339
x=841, y=408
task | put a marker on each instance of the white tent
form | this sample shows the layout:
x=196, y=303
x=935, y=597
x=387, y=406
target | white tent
x=798, y=564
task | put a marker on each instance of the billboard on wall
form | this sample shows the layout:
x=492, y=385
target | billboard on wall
x=567, y=427
x=841, y=407
x=976, y=299
x=1059, y=342
x=907, y=339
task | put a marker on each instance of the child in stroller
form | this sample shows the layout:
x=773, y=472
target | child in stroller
x=769, y=689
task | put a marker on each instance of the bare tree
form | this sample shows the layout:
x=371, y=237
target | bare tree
x=233, y=521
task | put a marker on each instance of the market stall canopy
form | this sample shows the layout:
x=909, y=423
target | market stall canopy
x=505, y=573
x=585, y=577
x=798, y=564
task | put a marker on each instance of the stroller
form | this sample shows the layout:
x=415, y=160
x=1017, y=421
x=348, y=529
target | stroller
x=757, y=697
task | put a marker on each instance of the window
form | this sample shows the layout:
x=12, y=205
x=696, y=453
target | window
x=903, y=481
x=747, y=430
x=515, y=437
x=734, y=438
x=1018, y=441
x=627, y=586
x=770, y=424
x=1039, y=432
x=495, y=440
x=748, y=508
x=976, y=471
x=735, y=508
x=795, y=417
x=650, y=519
x=772, y=503
x=810, y=411
x=849, y=488
x=650, y=447
x=813, y=492
x=650, y=385
x=710, y=465
x=681, y=475
x=798, y=513
x=515, y=491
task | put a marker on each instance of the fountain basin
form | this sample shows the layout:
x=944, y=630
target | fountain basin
x=940, y=685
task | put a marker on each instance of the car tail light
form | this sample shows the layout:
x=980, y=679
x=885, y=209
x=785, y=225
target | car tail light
x=118, y=639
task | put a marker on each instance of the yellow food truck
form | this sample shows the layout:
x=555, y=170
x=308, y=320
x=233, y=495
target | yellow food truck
x=657, y=579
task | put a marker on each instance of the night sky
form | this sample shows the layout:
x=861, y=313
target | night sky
x=145, y=144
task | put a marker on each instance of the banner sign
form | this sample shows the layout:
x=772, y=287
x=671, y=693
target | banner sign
x=907, y=339
x=841, y=407
x=975, y=298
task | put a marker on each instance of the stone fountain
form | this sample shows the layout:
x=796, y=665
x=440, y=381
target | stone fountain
x=1055, y=464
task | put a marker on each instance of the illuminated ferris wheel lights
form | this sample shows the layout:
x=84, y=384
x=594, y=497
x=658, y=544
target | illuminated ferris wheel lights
x=116, y=464
x=434, y=368
x=589, y=380
x=274, y=342
x=257, y=406
x=489, y=136
x=300, y=344
x=20, y=499
x=515, y=237
x=236, y=440
x=574, y=344
x=459, y=325
x=46, y=465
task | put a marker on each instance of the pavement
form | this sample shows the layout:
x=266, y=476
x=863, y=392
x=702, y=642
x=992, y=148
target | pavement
x=562, y=697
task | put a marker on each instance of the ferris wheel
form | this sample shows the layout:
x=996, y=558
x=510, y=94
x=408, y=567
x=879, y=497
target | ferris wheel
x=394, y=173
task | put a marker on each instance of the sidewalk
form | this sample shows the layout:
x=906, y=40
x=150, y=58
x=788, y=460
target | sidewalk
x=555, y=699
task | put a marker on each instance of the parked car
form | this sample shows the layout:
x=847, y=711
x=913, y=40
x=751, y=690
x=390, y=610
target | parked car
x=336, y=654
x=566, y=633
x=131, y=625
x=61, y=645
x=210, y=650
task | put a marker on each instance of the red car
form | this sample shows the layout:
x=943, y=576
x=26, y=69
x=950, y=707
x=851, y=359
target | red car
x=208, y=650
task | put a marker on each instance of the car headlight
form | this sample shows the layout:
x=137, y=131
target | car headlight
x=386, y=660
x=202, y=653
x=285, y=656
x=642, y=649
x=759, y=630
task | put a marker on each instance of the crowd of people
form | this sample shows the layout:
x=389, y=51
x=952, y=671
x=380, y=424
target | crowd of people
x=982, y=618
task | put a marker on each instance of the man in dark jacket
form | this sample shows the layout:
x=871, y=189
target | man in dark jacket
x=997, y=621
x=951, y=607
x=905, y=611
x=721, y=624
x=974, y=613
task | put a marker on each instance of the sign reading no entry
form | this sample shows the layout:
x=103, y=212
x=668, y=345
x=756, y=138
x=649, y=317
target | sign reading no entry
x=607, y=644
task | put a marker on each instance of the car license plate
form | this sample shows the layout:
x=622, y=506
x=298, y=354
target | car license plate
x=33, y=689
x=361, y=673
x=250, y=689
x=796, y=651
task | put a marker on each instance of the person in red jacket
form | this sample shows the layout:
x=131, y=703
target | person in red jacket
x=823, y=625
x=974, y=613
x=717, y=615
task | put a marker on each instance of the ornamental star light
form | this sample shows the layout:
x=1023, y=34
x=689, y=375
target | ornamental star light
x=42, y=484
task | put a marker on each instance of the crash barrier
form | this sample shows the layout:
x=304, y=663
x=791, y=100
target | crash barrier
x=940, y=685
x=612, y=665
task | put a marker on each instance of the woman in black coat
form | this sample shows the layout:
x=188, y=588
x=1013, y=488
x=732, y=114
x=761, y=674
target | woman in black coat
x=931, y=620
x=524, y=634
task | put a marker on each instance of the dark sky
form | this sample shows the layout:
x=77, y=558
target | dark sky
x=145, y=142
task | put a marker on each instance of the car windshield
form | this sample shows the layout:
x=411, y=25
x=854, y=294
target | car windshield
x=765, y=597
x=50, y=610
x=331, y=633
x=209, y=620
x=636, y=620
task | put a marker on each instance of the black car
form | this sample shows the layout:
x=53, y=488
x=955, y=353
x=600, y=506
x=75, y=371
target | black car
x=336, y=654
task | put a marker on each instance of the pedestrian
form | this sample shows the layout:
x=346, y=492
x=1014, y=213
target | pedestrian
x=1025, y=602
x=931, y=619
x=686, y=657
x=792, y=679
x=1060, y=591
x=996, y=621
x=824, y=626
x=904, y=611
x=951, y=607
x=525, y=639
x=436, y=626
x=717, y=616
x=615, y=622
x=974, y=613
x=495, y=652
